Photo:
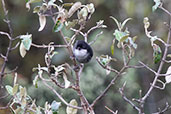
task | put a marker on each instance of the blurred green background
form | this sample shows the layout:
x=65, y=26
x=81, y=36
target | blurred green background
x=93, y=79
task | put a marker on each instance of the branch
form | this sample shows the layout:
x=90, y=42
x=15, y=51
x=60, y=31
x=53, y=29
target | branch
x=5, y=73
x=46, y=46
x=58, y=95
x=121, y=90
x=167, y=107
x=108, y=87
x=10, y=42
x=159, y=69
x=111, y=110
x=5, y=33
x=105, y=67
x=166, y=11
x=97, y=36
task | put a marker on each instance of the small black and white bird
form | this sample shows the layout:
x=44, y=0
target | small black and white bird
x=82, y=51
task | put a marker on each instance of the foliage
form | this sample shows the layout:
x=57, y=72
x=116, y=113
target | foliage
x=83, y=85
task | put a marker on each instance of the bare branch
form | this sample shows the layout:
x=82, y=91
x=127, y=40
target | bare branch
x=13, y=48
x=46, y=46
x=121, y=90
x=10, y=71
x=167, y=107
x=5, y=33
x=58, y=95
x=111, y=110
x=97, y=36
x=147, y=67
x=166, y=11
x=108, y=87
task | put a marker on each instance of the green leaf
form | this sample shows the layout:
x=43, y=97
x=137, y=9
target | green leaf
x=70, y=110
x=157, y=53
x=9, y=89
x=55, y=106
x=120, y=35
x=116, y=21
x=26, y=41
x=113, y=47
x=58, y=26
x=157, y=4
x=124, y=38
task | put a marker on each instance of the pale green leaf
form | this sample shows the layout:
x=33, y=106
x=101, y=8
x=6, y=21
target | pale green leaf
x=42, y=22
x=168, y=78
x=22, y=50
x=132, y=43
x=9, y=89
x=15, y=89
x=71, y=24
x=26, y=41
x=35, y=81
x=74, y=8
x=125, y=21
x=23, y=92
x=119, y=35
x=82, y=14
x=116, y=21
x=15, y=78
x=70, y=110
x=55, y=106
x=29, y=3
x=67, y=83
x=124, y=38
x=91, y=8
x=157, y=4
x=36, y=9
x=169, y=55
x=108, y=71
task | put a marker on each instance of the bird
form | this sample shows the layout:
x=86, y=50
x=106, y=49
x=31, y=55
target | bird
x=82, y=51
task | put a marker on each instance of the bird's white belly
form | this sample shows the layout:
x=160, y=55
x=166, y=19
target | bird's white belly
x=80, y=53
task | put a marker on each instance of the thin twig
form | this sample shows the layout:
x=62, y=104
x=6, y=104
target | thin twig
x=121, y=90
x=111, y=110
x=5, y=73
x=97, y=36
x=166, y=108
x=10, y=42
x=166, y=11
x=46, y=46
x=5, y=33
